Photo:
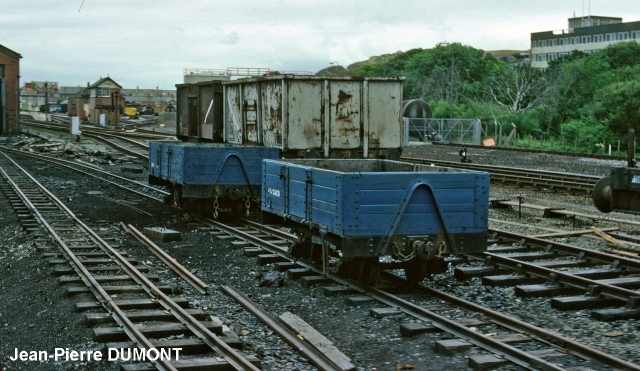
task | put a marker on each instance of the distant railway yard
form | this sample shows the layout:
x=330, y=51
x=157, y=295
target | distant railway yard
x=94, y=259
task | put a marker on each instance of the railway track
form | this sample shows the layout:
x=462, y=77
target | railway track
x=576, y=278
x=144, y=312
x=503, y=339
x=517, y=149
x=130, y=143
x=544, y=356
x=94, y=172
x=538, y=179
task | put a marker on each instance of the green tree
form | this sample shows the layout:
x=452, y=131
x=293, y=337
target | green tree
x=618, y=106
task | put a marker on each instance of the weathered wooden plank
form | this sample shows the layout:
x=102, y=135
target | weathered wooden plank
x=313, y=337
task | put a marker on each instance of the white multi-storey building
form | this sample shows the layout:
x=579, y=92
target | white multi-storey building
x=586, y=34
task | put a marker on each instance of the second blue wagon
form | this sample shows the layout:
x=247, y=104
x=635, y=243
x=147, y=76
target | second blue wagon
x=211, y=176
x=365, y=209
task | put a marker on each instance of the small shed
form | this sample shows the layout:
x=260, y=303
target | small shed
x=105, y=98
x=9, y=91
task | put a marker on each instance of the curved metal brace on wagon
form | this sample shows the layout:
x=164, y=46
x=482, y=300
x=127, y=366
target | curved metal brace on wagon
x=402, y=206
x=221, y=166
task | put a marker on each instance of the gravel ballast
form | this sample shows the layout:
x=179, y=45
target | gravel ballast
x=37, y=316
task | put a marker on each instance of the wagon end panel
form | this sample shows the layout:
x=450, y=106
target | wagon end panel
x=154, y=160
x=384, y=117
x=274, y=188
x=182, y=109
x=345, y=115
x=233, y=129
x=210, y=110
x=272, y=114
x=438, y=206
x=212, y=170
x=304, y=115
x=173, y=171
x=250, y=112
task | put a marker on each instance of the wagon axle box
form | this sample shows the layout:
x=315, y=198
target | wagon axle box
x=370, y=207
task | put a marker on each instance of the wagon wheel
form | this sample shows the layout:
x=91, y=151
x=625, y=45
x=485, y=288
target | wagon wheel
x=302, y=248
x=370, y=271
x=349, y=269
x=365, y=270
x=177, y=197
x=416, y=270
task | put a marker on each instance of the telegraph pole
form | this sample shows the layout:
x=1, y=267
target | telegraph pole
x=46, y=101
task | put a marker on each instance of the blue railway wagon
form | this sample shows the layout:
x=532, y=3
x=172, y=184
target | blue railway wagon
x=218, y=171
x=372, y=208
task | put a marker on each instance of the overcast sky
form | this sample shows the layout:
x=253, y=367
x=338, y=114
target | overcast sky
x=149, y=43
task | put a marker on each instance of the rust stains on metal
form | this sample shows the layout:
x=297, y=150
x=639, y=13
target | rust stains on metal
x=343, y=97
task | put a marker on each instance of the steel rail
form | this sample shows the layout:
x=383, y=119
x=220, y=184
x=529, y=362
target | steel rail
x=550, y=336
x=118, y=146
x=105, y=299
x=214, y=342
x=72, y=166
x=565, y=212
x=178, y=268
x=246, y=236
x=513, y=354
x=61, y=125
x=521, y=175
x=599, y=256
x=567, y=279
x=272, y=231
x=314, y=356
x=514, y=170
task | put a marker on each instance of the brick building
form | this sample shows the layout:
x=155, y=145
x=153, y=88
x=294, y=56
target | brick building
x=10, y=87
x=105, y=98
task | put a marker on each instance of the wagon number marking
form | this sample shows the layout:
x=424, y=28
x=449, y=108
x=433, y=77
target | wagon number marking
x=273, y=192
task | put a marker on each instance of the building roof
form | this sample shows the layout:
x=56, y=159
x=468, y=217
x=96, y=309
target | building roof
x=66, y=90
x=9, y=52
x=102, y=80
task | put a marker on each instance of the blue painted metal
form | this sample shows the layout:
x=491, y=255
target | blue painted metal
x=199, y=167
x=402, y=207
x=367, y=203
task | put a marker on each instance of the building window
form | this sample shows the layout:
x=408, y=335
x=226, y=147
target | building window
x=586, y=39
x=534, y=44
x=574, y=41
x=635, y=34
x=597, y=38
x=623, y=36
x=103, y=92
x=610, y=37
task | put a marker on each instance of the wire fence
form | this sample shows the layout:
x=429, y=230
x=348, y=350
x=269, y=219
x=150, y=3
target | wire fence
x=463, y=131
